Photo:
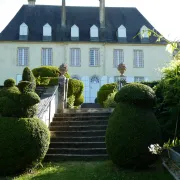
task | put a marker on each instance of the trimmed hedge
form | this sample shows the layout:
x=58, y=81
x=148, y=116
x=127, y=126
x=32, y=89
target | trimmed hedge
x=46, y=71
x=79, y=101
x=9, y=83
x=104, y=92
x=109, y=102
x=131, y=130
x=24, y=143
x=133, y=127
x=150, y=83
x=137, y=94
x=75, y=87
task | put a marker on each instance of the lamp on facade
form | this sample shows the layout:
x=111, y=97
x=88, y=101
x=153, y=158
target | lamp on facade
x=122, y=81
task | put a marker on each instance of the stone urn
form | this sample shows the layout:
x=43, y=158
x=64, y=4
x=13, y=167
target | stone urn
x=63, y=68
x=121, y=68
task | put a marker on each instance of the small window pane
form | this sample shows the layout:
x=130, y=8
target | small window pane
x=138, y=59
x=23, y=55
x=118, y=57
x=75, y=57
x=94, y=57
x=138, y=79
x=47, y=56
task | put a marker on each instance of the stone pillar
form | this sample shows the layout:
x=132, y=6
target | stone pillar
x=63, y=88
x=62, y=93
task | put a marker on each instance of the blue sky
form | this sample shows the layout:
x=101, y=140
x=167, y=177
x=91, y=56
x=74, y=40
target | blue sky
x=162, y=14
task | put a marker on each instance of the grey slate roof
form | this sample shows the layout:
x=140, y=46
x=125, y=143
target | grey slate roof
x=84, y=17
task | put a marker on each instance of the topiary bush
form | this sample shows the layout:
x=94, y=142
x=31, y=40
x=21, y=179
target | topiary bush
x=24, y=143
x=70, y=101
x=136, y=94
x=133, y=127
x=104, y=92
x=109, y=102
x=21, y=101
x=46, y=71
x=9, y=83
x=79, y=101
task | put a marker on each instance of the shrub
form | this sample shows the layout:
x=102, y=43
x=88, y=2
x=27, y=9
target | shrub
x=150, y=83
x=75, y=87
x=46, y=71
x=137, y=94
x=79, y=101
x=24, y=143
x=133, y=127
x=19, y=102
x=70, y=101
x=109, y=102
x=28, y=76
x=9, y=83
x=104, y=91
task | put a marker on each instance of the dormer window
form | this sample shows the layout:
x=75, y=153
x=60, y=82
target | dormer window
x=47, y=32
x=74, y=33
x=121, y=34
x=144, y=34
x=94, y=33
x=23, y=32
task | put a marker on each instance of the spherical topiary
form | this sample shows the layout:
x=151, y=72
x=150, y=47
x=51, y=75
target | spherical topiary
x=137, y=94
x=133, y=127
x=9, y=83
x=131, y=130
x=24, y=143
x=104, y=92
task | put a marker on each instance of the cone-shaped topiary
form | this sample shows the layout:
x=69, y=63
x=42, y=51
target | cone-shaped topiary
x=9, y=83
x=24, y=143
x=133, y=127
x=28, y=76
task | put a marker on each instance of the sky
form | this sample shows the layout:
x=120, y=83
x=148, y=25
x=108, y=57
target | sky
x=162, y=14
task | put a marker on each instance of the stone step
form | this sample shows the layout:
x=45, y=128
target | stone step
x=79, y=118
x=82, y=114
x=78, y=133
x=79, y=151
x=79, y=139
x=77, y=145
x=75, y=157
x=90, y=110
x=78, y=128
x=78, y=123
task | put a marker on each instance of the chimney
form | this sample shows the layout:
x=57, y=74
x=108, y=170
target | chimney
x=63, y=14
x=31, y=2
x=102, y=13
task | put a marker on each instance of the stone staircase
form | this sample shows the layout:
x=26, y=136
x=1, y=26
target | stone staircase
x=79, y=135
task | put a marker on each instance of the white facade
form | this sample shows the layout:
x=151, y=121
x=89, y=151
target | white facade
x=154, y=58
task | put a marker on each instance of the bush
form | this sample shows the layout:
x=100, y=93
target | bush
x=24, y=143
x=109, y=102
x=70, y=101
x=46, y=71
x=151, y=84
x=28, y=76
x=133, y=127
x=137, y=94
x=104, y=91
x=79, y=101
x=9, y=83
x=19, y=102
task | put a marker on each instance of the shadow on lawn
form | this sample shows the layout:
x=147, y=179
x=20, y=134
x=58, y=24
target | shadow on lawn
x=93, y=171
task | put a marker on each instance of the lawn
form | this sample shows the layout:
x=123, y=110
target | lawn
x=91, y=171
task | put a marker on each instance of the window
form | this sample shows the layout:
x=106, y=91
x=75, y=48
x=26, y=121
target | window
x=94, y=57
x=138, y=79
x=75, y=57
x=138, y=59
x=23, y=56
x=47, y=56
x=118, y=57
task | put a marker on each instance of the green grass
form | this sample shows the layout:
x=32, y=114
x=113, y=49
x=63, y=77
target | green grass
x=91, y=171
